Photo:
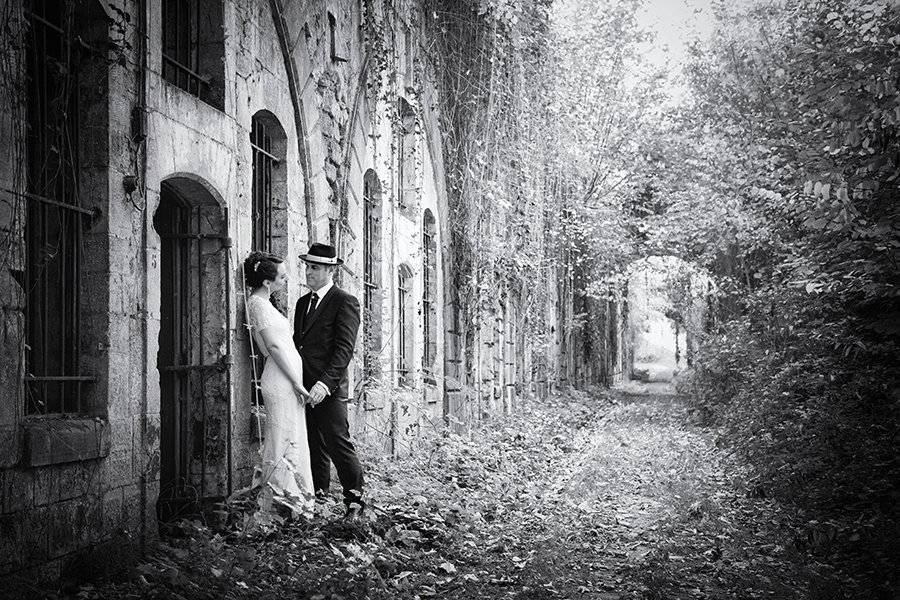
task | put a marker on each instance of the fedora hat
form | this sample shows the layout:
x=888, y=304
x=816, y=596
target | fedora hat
x=322, y=254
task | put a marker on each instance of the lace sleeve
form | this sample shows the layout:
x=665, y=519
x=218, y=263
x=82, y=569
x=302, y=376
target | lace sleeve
x=259, y=317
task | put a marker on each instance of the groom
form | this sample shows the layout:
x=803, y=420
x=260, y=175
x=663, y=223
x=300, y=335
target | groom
x=325, y=325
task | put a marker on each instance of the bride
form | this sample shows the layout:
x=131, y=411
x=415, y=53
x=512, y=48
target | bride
x=285, y=467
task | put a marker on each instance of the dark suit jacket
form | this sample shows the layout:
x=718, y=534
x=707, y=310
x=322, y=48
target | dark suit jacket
x=325, y=339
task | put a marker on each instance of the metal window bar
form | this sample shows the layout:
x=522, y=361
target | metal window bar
x=53, y=222
x=403, y=301
x=371, y=237
x=263, y=164
x=427, y=325
x=181, y=47
x=63, y=205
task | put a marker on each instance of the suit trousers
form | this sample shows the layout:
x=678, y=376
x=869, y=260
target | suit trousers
x=328, y=432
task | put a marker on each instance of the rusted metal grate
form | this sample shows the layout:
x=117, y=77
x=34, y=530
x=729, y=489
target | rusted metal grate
x=191, y=367
x=54, y=219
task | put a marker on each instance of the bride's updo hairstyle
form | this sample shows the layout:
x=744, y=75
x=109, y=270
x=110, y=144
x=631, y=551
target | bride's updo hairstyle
x=260, y=266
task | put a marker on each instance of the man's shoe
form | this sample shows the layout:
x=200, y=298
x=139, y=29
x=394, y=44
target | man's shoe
x=354, y=512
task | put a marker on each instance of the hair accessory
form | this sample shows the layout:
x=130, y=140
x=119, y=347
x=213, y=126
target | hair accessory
x=256, y=266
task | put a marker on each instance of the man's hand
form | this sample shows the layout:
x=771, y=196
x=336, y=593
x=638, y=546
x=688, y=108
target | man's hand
x=317, y=393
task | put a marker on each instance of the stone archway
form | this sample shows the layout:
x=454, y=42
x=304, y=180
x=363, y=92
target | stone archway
x=666, y=309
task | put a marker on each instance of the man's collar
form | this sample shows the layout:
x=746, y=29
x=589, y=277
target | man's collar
x=324, y=289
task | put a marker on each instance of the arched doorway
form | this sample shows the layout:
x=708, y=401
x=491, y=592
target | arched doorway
x=194, y=346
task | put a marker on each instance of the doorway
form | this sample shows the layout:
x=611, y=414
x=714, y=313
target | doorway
x=193, y=358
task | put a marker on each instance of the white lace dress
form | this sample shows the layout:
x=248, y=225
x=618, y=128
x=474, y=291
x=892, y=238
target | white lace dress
x=285, y=452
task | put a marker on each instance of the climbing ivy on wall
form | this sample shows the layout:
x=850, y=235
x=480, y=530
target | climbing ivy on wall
x=488, y=60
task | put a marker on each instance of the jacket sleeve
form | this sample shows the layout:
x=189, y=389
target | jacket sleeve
x=346, y=326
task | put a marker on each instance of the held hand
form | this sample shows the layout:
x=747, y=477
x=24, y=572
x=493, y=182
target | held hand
x=317, y=393
x=301, y=391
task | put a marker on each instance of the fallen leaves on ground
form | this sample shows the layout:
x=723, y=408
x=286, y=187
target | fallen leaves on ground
x=603, y=496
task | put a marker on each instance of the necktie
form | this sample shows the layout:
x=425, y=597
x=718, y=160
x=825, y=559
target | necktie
x=313, y=300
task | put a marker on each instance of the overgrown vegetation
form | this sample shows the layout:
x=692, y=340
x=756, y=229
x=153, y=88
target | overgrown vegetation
x=800, y=103
x=488, y=60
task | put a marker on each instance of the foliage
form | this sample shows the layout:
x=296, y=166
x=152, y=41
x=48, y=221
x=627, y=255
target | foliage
x=488, y=60
x=819, y=428
x=602, y=96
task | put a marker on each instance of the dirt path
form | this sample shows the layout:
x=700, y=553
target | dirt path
x=645, y=506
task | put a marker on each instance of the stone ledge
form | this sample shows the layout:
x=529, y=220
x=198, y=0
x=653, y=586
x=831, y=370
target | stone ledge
x=55, y=441
x=10, y=446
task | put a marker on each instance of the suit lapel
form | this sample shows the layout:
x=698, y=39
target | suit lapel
x=308, y=320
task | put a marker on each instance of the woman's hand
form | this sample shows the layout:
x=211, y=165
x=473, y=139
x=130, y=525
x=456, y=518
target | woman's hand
x=301, y=391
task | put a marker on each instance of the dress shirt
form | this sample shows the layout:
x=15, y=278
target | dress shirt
x=320, y=293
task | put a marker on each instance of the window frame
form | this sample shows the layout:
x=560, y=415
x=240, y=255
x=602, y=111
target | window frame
x=408, y=149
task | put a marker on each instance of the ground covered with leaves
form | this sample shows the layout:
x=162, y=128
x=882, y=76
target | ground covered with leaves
x=598, y=496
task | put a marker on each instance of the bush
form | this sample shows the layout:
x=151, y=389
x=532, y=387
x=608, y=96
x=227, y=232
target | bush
x=812, y=402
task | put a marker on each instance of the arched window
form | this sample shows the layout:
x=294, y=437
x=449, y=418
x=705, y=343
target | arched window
x=372, y=296
x=429, y=291
x=193, y=48
x=405, y=328
x=268, y=214
x=269, y=144
x=67, y=116
x=409, y=188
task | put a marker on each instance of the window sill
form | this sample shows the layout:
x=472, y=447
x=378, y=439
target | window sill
x=56, y=440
